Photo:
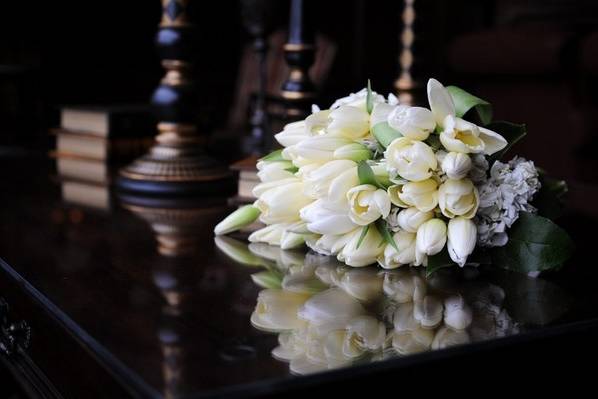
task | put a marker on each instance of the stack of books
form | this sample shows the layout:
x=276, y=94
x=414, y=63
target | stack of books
x=247, y=180
x=92, y=143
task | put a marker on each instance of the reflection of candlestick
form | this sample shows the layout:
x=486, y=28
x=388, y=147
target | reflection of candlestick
x=298, y=90
x=405, y=84
x=177, y=162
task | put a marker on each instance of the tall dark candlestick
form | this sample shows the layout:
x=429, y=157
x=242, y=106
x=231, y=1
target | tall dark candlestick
x=298, y=90
x=177, y=163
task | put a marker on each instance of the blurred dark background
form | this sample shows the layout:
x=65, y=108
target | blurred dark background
x=536, y=61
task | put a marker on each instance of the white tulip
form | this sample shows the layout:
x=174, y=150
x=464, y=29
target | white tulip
x=274, y=171
x=328, y=244
x=413, y=122
x=446, y=337
x=431, y=237
x=410, y=342
x=318, y=180
x=349, y=122
x=362, y=284
x=291, y=240
x=292, y=134
x=238, y=251
x=458, y=198
x=330, y=310
x=291, y=345
x=403, y=319
x=457, y=314
x=391, y=258
x=355, y=152
x=404, y=287
x=459, y=135
x=456, y=165
x=317, y=149
x=422, y=195
x=267, y=185
x=281, y=204
x=295, y=132
x=277, y=310
x=357, y=99
x=326, y=217
x=380, y=113
x=412, y=160
x=368, y=251
x=367, y=204
x=411, y=218
x=363, y=333
x=428, y=312
x=462, y=237
x=271, y=234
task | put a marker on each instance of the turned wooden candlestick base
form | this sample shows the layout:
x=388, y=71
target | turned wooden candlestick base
x=176, y=164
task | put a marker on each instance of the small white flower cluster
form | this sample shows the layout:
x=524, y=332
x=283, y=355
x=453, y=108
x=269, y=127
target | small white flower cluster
x=508, y=191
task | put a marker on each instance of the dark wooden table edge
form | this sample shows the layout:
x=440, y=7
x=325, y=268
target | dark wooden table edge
x=135, y=385
x=126, y=377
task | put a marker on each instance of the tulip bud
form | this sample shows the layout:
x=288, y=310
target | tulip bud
x=238, y=251
x=422, y=194
x=362, y=284
x=277, y=310
x=330, y=310
x=411, y=218
x=355, y=152
x=367, y=204
x=364, y=333
x=431, y=237
x=391, y=259
x=456, y=165
x=267, y=279
x=413, y=160
x=458, y=198
x=428, y=312
x=462, y=237
x=349, y=122
x=446, y=337
x=404, y=287
x=290, y=240
x=238, y=219
x=413, y=122
x=457, y=314
x=418, y=340
x=270, y=234
x=365, y=253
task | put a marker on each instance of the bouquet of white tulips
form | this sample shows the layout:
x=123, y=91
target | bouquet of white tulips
x=374, y=181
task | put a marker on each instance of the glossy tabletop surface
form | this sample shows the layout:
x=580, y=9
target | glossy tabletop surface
x=173, y=312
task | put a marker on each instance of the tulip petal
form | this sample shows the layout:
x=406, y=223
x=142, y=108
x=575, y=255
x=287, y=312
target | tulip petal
x=440, y=101
x=493, y=141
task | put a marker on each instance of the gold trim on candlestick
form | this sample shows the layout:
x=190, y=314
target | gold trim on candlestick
x=298, y=47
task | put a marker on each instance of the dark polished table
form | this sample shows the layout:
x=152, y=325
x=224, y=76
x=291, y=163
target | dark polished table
x=139, y=301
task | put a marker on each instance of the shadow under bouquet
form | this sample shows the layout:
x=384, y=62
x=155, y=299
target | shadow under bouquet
x=374, y=181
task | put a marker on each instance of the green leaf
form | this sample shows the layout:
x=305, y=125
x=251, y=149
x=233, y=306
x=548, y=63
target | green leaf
x=512, y=132
x=385, y=134
x=369, y=100
x=274, y=156
x=438, y=261
x=465, y=101
x=292, y=169
x=366, y=175
x=364, y=231
x=535, y=244
x=386, y=234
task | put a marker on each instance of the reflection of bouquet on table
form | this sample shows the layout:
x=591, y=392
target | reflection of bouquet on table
x=373, y=181
x=329, y=315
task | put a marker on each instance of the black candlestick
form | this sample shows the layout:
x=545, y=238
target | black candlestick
x=298, y=90
x=177, y=163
